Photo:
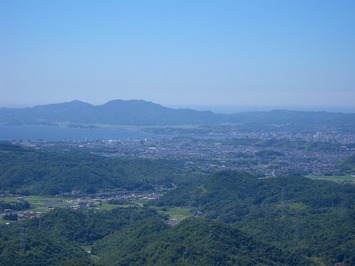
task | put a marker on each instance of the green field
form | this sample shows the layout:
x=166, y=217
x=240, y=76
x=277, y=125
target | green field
x=175, y=214
x=109, y=206
x=138, y=202
x=6, y=221
x=338, y=179
x=42, y=204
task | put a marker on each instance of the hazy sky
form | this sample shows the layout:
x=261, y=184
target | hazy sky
x=178, y=52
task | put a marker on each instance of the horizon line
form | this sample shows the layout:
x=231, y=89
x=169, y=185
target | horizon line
x=216, y=108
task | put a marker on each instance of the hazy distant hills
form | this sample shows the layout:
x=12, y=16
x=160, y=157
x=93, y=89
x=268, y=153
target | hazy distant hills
x=143, y=113
x=116, y=112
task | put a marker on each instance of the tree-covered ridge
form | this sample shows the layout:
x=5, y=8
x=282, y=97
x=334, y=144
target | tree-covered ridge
x=328, y=235
x=294, y=213
x=131, y=236
x=247, y=192
x=58, y=237
x=29, y=171
x=195, y=241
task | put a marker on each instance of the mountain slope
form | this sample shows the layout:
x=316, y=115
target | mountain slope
x=57, y=238
x=193, y=242
x=132, y=236
x=230, y=195
x=313, y=218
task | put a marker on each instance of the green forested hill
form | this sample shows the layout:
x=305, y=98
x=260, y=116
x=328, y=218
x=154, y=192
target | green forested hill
x=59, y=237
x=28, y=171
x=230, y=195
x=194, y=241
x=132, y=237
x=314, y=218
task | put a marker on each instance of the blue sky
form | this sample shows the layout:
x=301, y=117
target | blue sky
x=178, y=53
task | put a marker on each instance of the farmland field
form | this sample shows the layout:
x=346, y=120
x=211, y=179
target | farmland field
x=175, y=214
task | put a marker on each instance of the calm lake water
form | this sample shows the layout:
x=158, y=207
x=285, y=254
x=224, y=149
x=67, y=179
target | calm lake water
x=52, y=133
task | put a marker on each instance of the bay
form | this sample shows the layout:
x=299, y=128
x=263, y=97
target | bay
x=53, y=133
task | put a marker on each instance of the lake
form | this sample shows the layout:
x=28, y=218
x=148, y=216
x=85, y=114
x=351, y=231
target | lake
x=53, y=133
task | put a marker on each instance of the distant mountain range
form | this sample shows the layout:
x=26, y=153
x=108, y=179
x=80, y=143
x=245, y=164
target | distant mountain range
x=143, y=113
x=116, y=112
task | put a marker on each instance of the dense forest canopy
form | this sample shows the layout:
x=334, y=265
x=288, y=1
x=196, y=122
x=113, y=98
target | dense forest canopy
x=132, y=237
x=348, y=165
x=29, y=171
x=280, y=210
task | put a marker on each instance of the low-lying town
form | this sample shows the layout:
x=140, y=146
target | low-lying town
x=265, y=154
x=261, y=153
x=76, y=201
